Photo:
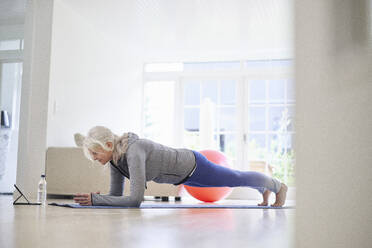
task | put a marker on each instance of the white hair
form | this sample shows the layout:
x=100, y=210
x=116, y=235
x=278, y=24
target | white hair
x=97, y=136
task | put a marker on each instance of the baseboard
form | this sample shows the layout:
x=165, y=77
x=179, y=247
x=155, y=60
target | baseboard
x=244, y=193
x=6, y=193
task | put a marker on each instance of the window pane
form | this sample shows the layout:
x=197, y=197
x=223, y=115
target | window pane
x=209, y=90
x=279, y=143
x=6, y=45
x=256, y=147
x=275, y=115
x=227, y=118
x=283, y=164
x=284, y=170
x=289, y=138
x=290, y=91
x=273, y=144
x=257, y=91
x=276, y=91
x=159, y=109
x=291, y=116
x=192, y=93
x=228, y=145
x=257, y=118
x=192, y=140
x=191, y=119
x=228, y=92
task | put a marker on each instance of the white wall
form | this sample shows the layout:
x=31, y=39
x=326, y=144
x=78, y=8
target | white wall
x=98, y=49
x=333, y=140
x=94, y=80
x=83, y=60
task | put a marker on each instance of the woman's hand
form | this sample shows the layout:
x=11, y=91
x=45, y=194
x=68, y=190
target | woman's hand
x=84, y=199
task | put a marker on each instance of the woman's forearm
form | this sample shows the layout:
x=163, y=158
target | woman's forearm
x=123, y=201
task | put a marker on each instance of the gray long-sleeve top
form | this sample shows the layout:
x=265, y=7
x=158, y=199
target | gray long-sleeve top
x=145, y=161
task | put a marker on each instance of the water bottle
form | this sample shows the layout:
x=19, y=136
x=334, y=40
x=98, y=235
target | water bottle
x=42, y=190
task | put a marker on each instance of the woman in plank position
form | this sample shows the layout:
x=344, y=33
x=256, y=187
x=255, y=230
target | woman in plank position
x=142, y=160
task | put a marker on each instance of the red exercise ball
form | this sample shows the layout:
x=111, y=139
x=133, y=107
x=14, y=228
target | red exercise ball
x=211, y=194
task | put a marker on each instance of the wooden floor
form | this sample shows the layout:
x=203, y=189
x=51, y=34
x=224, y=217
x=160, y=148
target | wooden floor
x=51, y=226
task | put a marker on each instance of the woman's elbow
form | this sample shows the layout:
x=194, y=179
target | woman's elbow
x=136, y=203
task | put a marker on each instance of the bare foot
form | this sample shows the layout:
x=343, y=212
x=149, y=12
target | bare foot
x=280, y=196
x=265, y=197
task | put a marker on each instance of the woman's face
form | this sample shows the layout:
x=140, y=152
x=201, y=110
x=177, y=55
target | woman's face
x=101, y=155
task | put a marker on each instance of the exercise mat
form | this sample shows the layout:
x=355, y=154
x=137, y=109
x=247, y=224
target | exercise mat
x=146, y=206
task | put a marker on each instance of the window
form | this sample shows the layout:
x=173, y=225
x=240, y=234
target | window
x=11, y=45
x=242, y=108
